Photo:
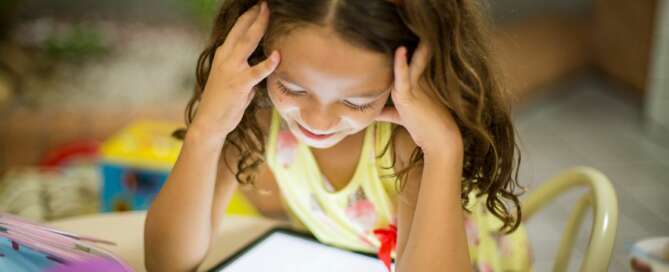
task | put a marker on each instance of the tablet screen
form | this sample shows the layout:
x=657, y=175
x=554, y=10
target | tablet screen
x=281, y=251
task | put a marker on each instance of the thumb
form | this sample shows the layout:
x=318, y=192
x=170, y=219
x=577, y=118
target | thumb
x=389, y=114
x=261, y=70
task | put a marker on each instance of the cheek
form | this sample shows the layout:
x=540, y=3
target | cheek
x=359, y=121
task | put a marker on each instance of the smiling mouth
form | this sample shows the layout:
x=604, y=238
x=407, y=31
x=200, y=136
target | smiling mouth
x=313, y=135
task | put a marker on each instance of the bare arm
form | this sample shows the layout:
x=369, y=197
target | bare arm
x=181, y=221
x=431, y=219
x=431, y=232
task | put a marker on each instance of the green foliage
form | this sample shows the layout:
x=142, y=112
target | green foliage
x=203, y=11
x=76, y=43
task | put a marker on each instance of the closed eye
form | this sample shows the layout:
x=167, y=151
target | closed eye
x=353, y=106
x=285, y=90
x=362, y=107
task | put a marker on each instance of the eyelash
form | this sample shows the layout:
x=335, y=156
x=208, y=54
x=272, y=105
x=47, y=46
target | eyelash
x=285, y=91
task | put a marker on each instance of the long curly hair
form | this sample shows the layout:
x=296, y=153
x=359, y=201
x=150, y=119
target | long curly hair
x=461, y=73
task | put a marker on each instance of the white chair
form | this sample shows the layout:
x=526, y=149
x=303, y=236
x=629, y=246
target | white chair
x=601, y=196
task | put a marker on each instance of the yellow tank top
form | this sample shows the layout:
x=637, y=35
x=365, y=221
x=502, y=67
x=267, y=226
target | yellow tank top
x=345, y=218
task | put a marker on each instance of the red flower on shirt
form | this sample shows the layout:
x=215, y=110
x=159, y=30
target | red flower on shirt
x=388, y=238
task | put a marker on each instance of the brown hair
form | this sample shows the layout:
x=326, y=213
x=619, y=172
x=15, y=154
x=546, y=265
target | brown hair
x=461, y=74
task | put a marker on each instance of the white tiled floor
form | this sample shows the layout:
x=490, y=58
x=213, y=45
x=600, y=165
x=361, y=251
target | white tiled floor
x=589, y=121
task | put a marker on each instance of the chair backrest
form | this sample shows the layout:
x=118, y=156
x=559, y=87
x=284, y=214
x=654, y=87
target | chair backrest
x=601, y=196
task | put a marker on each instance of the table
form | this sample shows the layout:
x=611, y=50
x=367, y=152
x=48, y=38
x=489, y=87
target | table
x=126, y=229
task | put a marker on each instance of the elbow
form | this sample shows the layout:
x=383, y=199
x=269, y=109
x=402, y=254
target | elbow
x=162, y=252
x=157, y=259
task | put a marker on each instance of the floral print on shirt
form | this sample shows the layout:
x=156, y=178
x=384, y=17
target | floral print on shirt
x=361, y=210
x=286, y=148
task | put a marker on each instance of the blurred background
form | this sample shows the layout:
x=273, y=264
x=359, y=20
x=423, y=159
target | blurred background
x=89, y=91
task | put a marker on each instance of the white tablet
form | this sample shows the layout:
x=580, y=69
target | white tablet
x=282, y=249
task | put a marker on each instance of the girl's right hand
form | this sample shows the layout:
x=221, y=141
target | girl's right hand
x=230, y=85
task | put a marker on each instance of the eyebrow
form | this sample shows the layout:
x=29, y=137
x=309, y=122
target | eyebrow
x=370, y=95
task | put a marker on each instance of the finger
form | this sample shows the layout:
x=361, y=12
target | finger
x=260, y=71
x=402, y=84
x=238, y=29
x=389, y=114
x=249, y=41
x=419, y=61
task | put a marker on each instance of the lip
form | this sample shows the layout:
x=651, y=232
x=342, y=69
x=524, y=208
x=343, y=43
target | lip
x=314, y=136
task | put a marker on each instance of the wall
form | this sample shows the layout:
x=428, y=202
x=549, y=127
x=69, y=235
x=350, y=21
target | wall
x=512, y=10
x=657, y=100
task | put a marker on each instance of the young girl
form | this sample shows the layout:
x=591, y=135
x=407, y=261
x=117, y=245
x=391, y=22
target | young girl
x=376, y=125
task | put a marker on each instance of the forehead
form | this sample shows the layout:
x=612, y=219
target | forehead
x=315, y=56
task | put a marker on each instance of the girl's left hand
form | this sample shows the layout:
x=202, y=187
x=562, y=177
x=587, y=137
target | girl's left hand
x=427, y=120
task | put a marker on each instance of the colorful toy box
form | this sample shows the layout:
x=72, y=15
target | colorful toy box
x=136, y=162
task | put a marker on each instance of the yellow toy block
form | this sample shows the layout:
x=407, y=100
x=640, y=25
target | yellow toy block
x=135, y=164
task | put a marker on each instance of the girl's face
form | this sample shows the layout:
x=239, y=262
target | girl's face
x=325, y=88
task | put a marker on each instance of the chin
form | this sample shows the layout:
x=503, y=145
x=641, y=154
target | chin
x=319, y=144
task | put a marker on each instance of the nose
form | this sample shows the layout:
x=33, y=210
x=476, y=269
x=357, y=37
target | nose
x=319, y=120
